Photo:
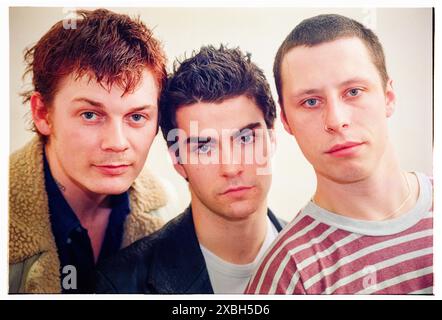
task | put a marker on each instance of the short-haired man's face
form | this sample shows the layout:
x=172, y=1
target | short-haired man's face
x=225, y=155
x=99, y=139
x=336, y=107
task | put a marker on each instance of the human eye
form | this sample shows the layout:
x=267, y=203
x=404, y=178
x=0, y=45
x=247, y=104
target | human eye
x=137, y=118
x=247, y=137
x=311, y=103
x=353, y=92
x=89, y=116
x=204, y=148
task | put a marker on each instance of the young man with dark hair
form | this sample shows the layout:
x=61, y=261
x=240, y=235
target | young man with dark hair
x=216, y=116
x=76, y=196
x=368, y=228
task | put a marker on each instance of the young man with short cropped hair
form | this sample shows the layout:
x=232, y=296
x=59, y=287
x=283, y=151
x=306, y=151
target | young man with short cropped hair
x=368, y=228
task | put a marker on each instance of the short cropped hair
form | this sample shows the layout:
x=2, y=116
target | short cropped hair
x=214, y=75
x=325, y=28
x=112, y=48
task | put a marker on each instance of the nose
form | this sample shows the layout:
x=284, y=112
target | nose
x=231, y=162
x=336, y=116
x=114, y=138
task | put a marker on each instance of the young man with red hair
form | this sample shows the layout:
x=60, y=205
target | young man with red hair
x=76, y=193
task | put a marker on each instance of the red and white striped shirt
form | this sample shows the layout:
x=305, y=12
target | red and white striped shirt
x=323, y=253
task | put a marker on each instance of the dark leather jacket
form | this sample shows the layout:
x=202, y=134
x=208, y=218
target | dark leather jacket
x=168, y=261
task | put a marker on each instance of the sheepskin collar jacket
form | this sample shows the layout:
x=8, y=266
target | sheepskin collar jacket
x=34, y=266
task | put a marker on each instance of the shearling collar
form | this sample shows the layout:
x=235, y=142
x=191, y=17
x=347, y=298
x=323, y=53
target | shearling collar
x=29, y=225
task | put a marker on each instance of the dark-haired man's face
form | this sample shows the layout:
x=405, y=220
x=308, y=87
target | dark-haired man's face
x=225, y=154
x=336, y=107
x=98, y=140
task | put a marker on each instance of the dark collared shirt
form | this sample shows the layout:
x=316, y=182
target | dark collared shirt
x=73, y=242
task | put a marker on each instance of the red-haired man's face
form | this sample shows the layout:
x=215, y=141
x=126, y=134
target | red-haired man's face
x=98, y=140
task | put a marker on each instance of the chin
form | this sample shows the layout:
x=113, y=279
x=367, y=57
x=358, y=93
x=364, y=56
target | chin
x=347, y=175
x=239, y=211
x=111, y=189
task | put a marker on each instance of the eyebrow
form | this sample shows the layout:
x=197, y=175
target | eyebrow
x=353, y=80
x=101, y=106
x=198, y=140
x=250, y=126
x=306, y=92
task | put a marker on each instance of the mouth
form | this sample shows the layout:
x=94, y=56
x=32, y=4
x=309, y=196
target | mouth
x=112, y=169
x=237, y=191
x=344, y=149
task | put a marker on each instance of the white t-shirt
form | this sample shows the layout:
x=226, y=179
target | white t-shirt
x=227, y=277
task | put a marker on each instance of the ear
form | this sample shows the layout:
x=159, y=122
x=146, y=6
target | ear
x=390, y=99
x=284, y=120
x=174, y=155
x=40, y=114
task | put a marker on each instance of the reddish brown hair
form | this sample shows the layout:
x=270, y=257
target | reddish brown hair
x=112, y=48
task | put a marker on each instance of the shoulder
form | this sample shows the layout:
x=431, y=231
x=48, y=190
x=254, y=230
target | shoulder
x=131, y=268
x=278, y=271
x=147, y=200
x=29, y=225
x=425, y=179
x=147, y=193
x=165, y=237
x=29, y=158
x=295, y=233
x=426, y=189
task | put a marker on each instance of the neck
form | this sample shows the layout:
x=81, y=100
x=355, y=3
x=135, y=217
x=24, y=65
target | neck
x=385, y=193
x=235, y=241
x=85, y=204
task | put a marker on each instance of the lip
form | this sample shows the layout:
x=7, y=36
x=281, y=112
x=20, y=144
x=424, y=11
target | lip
x=237, y=191
x=344, y=149
x=112, y=169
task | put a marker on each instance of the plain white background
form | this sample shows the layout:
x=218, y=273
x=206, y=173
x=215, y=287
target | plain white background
x=406, y=35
